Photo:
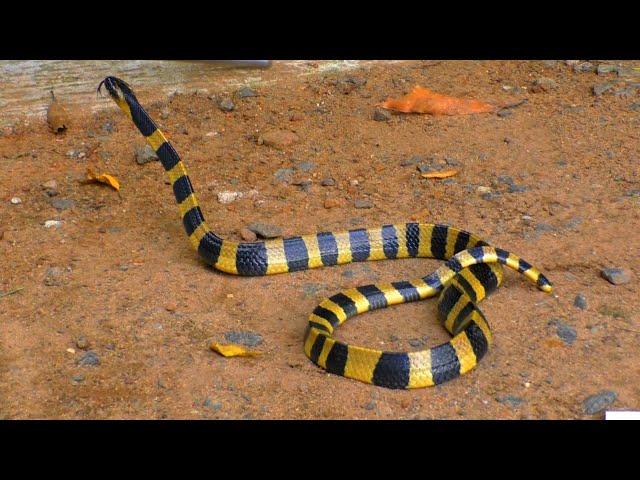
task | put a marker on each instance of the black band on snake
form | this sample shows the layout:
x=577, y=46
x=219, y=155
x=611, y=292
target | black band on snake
x=472, y=270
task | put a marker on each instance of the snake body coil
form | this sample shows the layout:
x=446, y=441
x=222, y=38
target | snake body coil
x=472, y=271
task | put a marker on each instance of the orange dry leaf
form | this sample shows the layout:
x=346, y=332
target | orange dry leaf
x=423, y=100
x=103, y=178
x=231, y=350
x=440, y=174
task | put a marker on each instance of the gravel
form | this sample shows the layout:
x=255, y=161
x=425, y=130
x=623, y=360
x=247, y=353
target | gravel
x=248, y=339
x=599, y=402
x=616, y=276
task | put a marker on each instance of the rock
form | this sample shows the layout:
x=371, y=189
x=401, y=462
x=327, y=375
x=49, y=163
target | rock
x=546, y=84
x=164, y=113
x=634, y=106
x=491, y=195
x=296, y=117
x=416, y=343
x=62, y=203
x=370, y=406
x=627, y=72
x=246, y=92
x=506, y=179
x=305, y=185
x=566, y=332
x=89, y=359
x=306, y=166
x=73, y=153
x=77, y=379
x=504, y=113
x=214, y=406
x=632, y=193
x=247, y=235
x=312, y=289
x=265, y=231
x=107, y=127
x=328, y=182
x=599, y=402
x=381, y=115
x=16, y=200
x=511, y=400
x=415, y=160
x=331, y=203
x=584, y=67
x=283, y=175
x=545, y=227
x=248, y=339
x=53, y=224
x=518, y=188
x=145, y=154
x=624, y=92
x=228, y=197
x=363, y=203
x=616, y=276
x=226, y=105
x=82, y=342
x=50, y=188
x=483, y=156
x=580, y=301
x=605, y=68
x=279, y=138
x=53, y=277
x=600, y=88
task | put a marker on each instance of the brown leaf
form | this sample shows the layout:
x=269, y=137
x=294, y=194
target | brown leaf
x=440, y=174
x=232, y=350
x=57, y=115
x=423, y=100
x=102, y=178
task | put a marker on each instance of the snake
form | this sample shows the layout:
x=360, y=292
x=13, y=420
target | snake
x=472, y=270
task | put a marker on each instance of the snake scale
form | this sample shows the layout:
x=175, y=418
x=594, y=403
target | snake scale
x=473, y=269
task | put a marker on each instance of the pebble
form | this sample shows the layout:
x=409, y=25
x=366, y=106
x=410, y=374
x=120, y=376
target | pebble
x=616, y=276
x=584, y=67
x=331, y=203
x=226, y=105
x=170, y=307
x=363, y=203
x=248, y=339
x=599, y=402
x=296, y=117
x=510, y=400
x=214, y=406
x=228, y=197
x=50, y=188
x=627, y=72
x=284, y=175
x=507, y=179
x=16, y=200
x=545, y=227
x=632, y=193
x=491, y=195
x=89, y=359
x=312, y=289
x=264, y=230
x=305, y=185
x=566, y=332
x=279, y=138
x=600, y=88
x=416, y=159
x=53, y=276
x=306, y=166
x=546, y=83
x=77, y=379
x=247, y=235
x=246, y=92
x=53, y=224
x=605, y=68
x=381, y=115
x=82, y=342
x=416, y=343
x=164, y=113
x=328, y=182
x=370, y=406
x=580, y=301
x=62, y=203
x=518, y=188
x=73, y=153
x=483, y=156
x=624, y=91
x=145, y=154
x=504, y=113
x=107, y=127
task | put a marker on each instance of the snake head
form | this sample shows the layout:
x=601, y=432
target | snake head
x=120, y=92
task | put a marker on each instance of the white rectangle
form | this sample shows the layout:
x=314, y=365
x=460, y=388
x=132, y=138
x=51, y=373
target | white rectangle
x=622, y=415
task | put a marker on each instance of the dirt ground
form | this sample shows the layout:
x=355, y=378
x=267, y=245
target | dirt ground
x=556, y=181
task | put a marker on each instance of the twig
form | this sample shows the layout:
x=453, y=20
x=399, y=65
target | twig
x=626, y=329
x=514, y=105
x=10, y=292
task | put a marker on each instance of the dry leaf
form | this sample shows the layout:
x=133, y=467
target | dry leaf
x=103, y=178
x=57, y=115
x=440, y=174
x=423, y=100
x=232, y=350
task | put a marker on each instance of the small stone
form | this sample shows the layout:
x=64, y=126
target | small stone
x=491, y=195
x=599, y=402
x=632, y=193
x=246, y=92
x=605, y=68
x=16, y=200
x=580, y=301
x=305, y=185
x=77, y=379
x=306, y=166
x=624, y=92
x=416, y=343
x=328, y=182
x=363, y=203
x=164, y=113
x=228, y=197
x=171, y=307
x=483, y=156
x=505, y=112
x=214, y=406
x=53, y=276
x=518, y=188
x=416, y=159
x=312, y=289
x=381, y=115
x=50, y=188
x=627, y=72
x=584, y=67
x=545, y=227
x=62, y=203
x=566, y=332
x=247, y=235
x=283, y=175
x=634, y=106
x=82, y=342
x=507, y=179
x=73, y=153
x=600, y=88
x=546, y=83
x=527, y=219
x=248, y=339
x=107, y=127
x=331, y=203
x=550, y=63
x=145, y=154
x=511, y=400
x=279, y=138
x=616, y=276
x=370, y=406
x=226, y=105
x=89, y=359
x=264, y=230
x=296, y=117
